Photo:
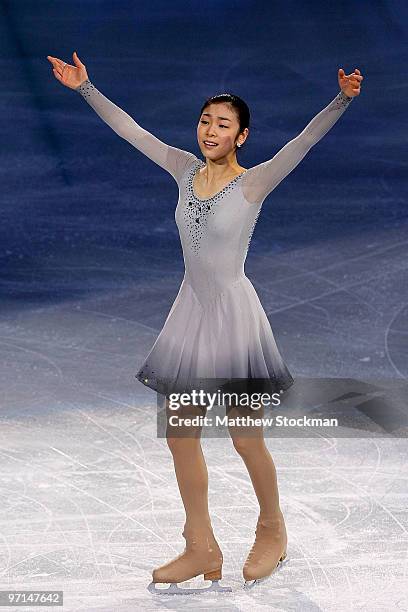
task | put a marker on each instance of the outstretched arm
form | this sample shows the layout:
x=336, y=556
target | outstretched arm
x=260, y=180
x=172, y=159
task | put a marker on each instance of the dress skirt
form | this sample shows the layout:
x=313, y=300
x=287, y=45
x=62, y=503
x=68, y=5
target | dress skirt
x=228, y=344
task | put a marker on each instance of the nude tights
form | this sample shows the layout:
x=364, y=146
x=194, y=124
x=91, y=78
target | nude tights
x=192, y=475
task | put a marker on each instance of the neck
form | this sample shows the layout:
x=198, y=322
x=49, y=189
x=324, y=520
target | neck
x=220, y=170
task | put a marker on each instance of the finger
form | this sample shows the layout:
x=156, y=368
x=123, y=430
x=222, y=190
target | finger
x=341, y=72
x=56, y=60
x=57, y=74
x=354, y=78
x=58, y=64
x=76, y=59
x=58, y=68
x=356, y=70
x=52, y=60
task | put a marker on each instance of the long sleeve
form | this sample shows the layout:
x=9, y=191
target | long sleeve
x=260, y=180
x=174, y=160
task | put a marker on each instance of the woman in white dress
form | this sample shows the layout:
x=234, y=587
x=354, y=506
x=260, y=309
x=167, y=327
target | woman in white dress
x=216, y=330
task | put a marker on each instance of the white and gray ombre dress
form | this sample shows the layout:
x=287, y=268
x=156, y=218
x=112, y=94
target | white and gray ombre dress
x=217, y=330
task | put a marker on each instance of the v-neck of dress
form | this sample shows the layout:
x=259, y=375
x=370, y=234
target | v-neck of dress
x=196, y=171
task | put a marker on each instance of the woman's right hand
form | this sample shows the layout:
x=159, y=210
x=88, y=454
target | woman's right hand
x=68, y=75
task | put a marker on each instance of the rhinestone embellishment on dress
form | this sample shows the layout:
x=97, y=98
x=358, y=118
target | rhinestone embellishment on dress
x=341, y=100
x=85, y=88
x=197, y=210
x=252, y=229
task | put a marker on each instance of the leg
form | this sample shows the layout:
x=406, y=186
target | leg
x=270, y=544
x=250, y=444
x=202, y=555
x=190, y=467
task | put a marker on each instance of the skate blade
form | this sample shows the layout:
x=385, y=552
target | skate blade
x=250, y=584
x=173, y=589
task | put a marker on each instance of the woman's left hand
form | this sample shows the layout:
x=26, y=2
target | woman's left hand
x=350, y=83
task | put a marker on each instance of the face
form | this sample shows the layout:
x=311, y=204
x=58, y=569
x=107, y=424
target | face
x=218, y=123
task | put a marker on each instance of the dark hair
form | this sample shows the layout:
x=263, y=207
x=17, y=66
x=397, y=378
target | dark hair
x=241, y=108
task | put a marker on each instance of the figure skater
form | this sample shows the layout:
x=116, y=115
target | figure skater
x=216, y=328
